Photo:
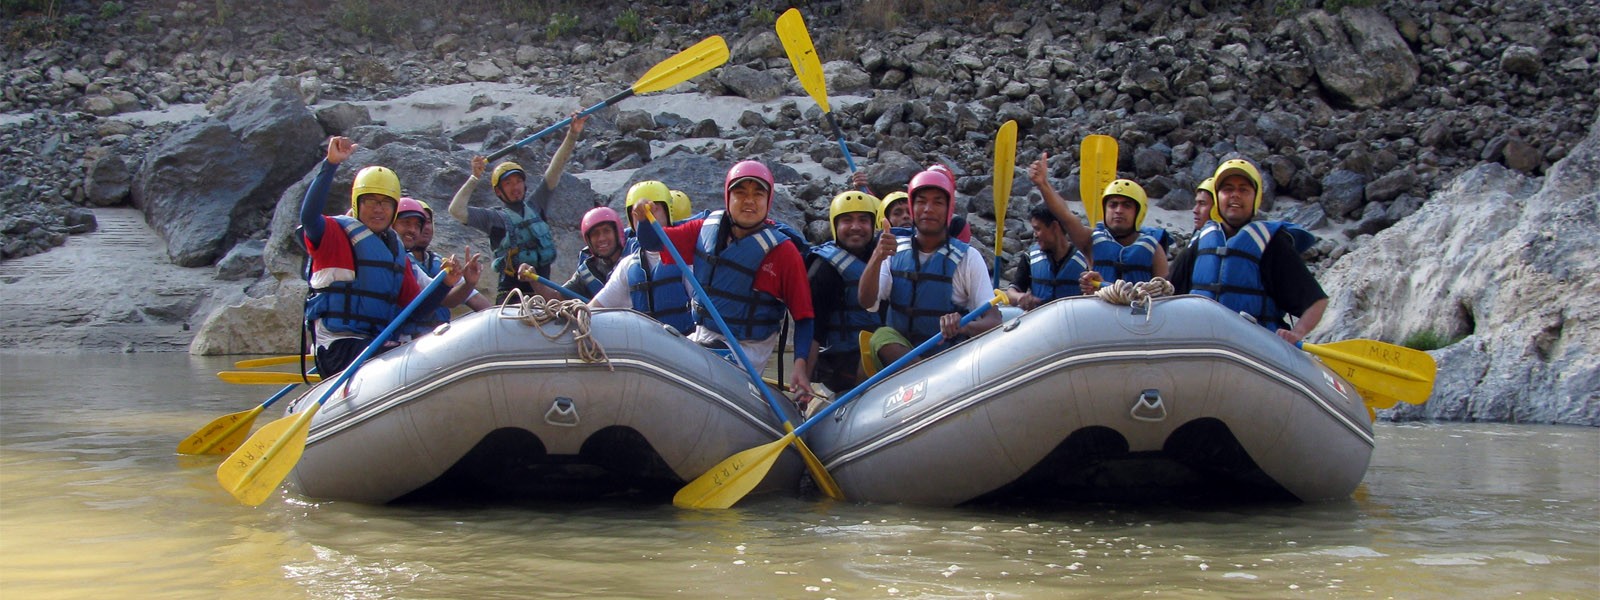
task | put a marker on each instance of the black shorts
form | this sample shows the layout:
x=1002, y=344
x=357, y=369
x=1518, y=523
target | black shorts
x=333, y=358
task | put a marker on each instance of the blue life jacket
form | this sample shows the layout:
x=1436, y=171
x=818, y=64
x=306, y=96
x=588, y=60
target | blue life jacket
x=923, y=293
x=729, y=278
x=1228, y=270
x=793, y=234
x=657, y=289
x=589, y=280
x=1050, y=281
x=1113, y=261
x=527, y=240
x=432, y=265
x=368, y=303
x=845, y=324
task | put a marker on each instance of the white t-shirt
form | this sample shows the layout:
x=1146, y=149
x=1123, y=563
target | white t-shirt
x=616, y=293
x=970, y=286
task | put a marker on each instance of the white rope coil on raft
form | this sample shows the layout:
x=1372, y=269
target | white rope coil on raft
x=536, y=311
x=1126, y=292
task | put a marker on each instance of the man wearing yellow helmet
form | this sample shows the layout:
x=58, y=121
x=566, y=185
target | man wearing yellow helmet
x=834, y=269
x=517, y=230
x=1249, y=265
x=361, y=276
x=1205, y=197
x=1116, y=248
x=642, y=280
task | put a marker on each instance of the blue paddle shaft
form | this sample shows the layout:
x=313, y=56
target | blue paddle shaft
x=559, y=125
x=889, y=370
x=284, y=392
x=839, y=134
x=377, y=342
x=564, y=291
x=733, y=342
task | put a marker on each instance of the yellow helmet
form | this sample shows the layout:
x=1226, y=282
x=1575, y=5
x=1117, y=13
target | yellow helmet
x=851, y=201
x=503, y=169
x=648, y=191
x=374, y=180
x=1235, y=167
x=1128, y=189
x=680, y=207
x=891, y=198
x=1208, y=186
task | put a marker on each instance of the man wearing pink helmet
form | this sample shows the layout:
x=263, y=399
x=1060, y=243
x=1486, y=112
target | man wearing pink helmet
x=601, y=228
x=928, y=279
x=414, y=222
x=751, y=271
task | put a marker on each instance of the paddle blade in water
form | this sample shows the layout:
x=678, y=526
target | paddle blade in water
x=803, y=56
x=1382, y=373
x=222, y=435
x=732, y=478
x=252, y=473
x=1097, y=168
x=819, y=473
x=709, y=54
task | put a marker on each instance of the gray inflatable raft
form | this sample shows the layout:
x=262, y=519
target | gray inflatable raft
x=488, y=407
x=1081, y=399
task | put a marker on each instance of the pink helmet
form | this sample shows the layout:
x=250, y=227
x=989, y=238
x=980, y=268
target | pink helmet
x=940, y=168
x=935, y=179
x=748, y=169
x=410, y=207
x=597, y=216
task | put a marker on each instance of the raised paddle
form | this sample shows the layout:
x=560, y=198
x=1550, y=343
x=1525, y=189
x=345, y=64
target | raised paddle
x=709, y=54
x=1097, y=168
x=1383, y=374
x=808, y=67
x=253, y=471
x=819, y=474
x=224, y=434
x=1005, y=164
x=733, y=478
x=269, y=361
x=264, y=377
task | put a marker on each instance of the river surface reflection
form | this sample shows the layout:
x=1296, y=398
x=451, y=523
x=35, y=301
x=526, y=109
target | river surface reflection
x=94, y=502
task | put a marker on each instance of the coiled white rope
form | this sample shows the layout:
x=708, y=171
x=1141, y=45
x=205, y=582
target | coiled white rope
x=1126, y=292
x=535, y=311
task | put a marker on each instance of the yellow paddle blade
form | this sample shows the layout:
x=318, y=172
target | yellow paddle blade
x=270, y=361
x=803, y=56
x=1382, y=373
x=709, y=54
x=868, y=367
x=1005, y=163
x=254, y=471
x=264, y=377
x=819, y=473
x=1097, y=168
x=732, y=478
x=222, y=435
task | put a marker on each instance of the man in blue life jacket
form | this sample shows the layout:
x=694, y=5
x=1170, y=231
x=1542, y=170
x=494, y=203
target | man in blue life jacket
x=361, y=275
x=929, y=279
x=1251, y=266
x=642, y=280
x=601, y=229
x=1053, y=264
x=517, y=230
x=1205, y=197
x=1116, y=247
x=834, y=269
x=414, y=223
x=751, y=271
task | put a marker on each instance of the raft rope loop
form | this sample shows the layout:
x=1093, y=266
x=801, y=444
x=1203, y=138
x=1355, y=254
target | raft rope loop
x=1128, y=293
x=535, y=311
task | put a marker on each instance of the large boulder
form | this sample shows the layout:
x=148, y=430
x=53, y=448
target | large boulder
x=1359, y=56
x=215, y=180
x=1506, y=262
x=269, y=324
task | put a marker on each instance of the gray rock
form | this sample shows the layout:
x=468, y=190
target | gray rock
x=484, y=70
x=243, y=261
x=763, y=43
x=1309, y=215
x=629, y=121
x=1149, y=162
x=759, y=86
x=1391, y=185
x=99, y=106
x=1343, y=192
x=1521, y=156
x=706, y=128
x=1521, y=60
x=527, y=55
x=124, y=100
x=1358, y=55
x=342, y=117
x=845, y=77
x=1527, y=354
x=266, y=325
x=107, y=181
x=215, y=180
x=446, y=44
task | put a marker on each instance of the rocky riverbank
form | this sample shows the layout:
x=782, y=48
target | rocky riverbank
x=1359, y=117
